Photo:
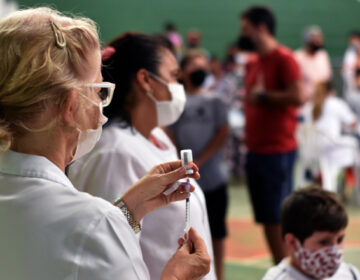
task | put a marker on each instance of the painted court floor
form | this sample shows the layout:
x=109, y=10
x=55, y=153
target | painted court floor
x=247, y=257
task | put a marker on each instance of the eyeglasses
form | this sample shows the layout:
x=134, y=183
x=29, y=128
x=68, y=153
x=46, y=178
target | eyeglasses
x=105, y=91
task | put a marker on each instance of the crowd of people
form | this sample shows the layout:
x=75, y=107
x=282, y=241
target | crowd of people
x=91, y=185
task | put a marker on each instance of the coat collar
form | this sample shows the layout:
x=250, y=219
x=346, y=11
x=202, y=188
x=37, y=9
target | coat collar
x=27, y=165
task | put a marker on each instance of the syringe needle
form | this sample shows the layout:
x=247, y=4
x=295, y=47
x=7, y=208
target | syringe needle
x=187, y=207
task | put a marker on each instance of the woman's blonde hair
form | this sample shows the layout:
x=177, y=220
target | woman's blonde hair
x=322, y=90
x=43, y=55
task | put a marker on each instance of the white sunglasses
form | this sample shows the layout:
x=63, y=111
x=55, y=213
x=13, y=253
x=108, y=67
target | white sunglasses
x=105, y=91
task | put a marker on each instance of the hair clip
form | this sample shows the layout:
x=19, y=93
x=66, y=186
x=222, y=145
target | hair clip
x=107, y=52
x=60, y=41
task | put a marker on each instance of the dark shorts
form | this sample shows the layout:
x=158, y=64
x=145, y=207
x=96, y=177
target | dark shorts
x=216, y=203
x=269, y=180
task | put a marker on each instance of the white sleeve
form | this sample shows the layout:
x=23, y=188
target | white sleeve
x=346, y=115
x=110, y=250
x=349, y=59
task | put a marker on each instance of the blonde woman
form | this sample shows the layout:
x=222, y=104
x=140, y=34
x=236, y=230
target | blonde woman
x=51, y=99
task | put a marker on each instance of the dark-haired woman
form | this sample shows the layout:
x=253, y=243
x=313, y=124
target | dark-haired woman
x=147, y=96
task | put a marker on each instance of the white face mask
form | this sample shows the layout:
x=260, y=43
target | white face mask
x=241, y=58
x=168, y=112
x=87, y=139
x=322, y=263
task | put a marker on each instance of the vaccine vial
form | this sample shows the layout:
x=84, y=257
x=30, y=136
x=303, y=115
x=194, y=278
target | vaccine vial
x=187, y=160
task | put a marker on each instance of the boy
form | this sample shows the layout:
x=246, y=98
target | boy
x=313, y=223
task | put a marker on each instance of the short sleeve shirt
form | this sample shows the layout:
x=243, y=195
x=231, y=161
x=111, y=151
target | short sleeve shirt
x=270, y=129
x=196, y=127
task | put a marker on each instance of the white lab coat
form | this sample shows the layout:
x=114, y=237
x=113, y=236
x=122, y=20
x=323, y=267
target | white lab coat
x=335, y=147
x=50, y=230
x=121, y=158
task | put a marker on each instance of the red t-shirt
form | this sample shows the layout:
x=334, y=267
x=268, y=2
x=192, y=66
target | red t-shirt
x=270, y=129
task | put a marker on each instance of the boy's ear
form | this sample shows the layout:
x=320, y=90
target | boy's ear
x=291, y=242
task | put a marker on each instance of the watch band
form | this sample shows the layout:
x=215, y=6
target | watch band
x=129, y=217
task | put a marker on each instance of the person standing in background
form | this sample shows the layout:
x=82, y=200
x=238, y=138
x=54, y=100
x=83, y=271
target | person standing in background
x=147, y=96
x=313, y=60
x=273, y=91
x=353, y=97
x=173, y=35
x=351, y=62
x=193, y=42
x=203, y=128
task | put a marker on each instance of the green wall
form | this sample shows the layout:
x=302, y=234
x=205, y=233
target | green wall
x=217, y=19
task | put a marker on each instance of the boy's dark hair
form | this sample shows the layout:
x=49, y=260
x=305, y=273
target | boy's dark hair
x=261, y=15
x=312, y=209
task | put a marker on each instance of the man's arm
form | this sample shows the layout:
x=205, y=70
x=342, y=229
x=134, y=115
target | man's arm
x=292, y=95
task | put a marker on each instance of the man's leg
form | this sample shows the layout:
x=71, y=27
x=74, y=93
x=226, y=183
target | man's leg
x=216, y=203
x=273, y=232
x=275, y=242
x=269, y=181
x=219, y=256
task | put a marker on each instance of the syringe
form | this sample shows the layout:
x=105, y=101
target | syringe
x=186, y=157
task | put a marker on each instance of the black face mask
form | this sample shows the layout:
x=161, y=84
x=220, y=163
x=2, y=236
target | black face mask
x=315, y=47
x=197, y=77
x=245, y=43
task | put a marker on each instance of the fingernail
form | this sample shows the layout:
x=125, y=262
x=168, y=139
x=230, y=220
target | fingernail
x=182, y=170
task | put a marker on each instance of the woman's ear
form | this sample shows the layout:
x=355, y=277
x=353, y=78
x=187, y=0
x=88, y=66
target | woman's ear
x=144, y=80
x=291, y=242
x=70, y=108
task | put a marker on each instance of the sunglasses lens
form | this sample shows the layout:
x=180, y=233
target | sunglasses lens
x=103, y=93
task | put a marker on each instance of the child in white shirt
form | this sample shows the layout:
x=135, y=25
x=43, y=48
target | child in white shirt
x=314, y=223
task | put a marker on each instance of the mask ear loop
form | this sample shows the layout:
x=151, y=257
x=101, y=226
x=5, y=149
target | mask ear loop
x=151, y=96
x=60, y=41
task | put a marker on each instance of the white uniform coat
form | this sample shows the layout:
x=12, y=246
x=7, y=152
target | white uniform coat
x=121, y=158
x=49, y=230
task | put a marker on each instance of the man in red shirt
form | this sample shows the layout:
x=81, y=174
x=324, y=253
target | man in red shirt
x=273, y=91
